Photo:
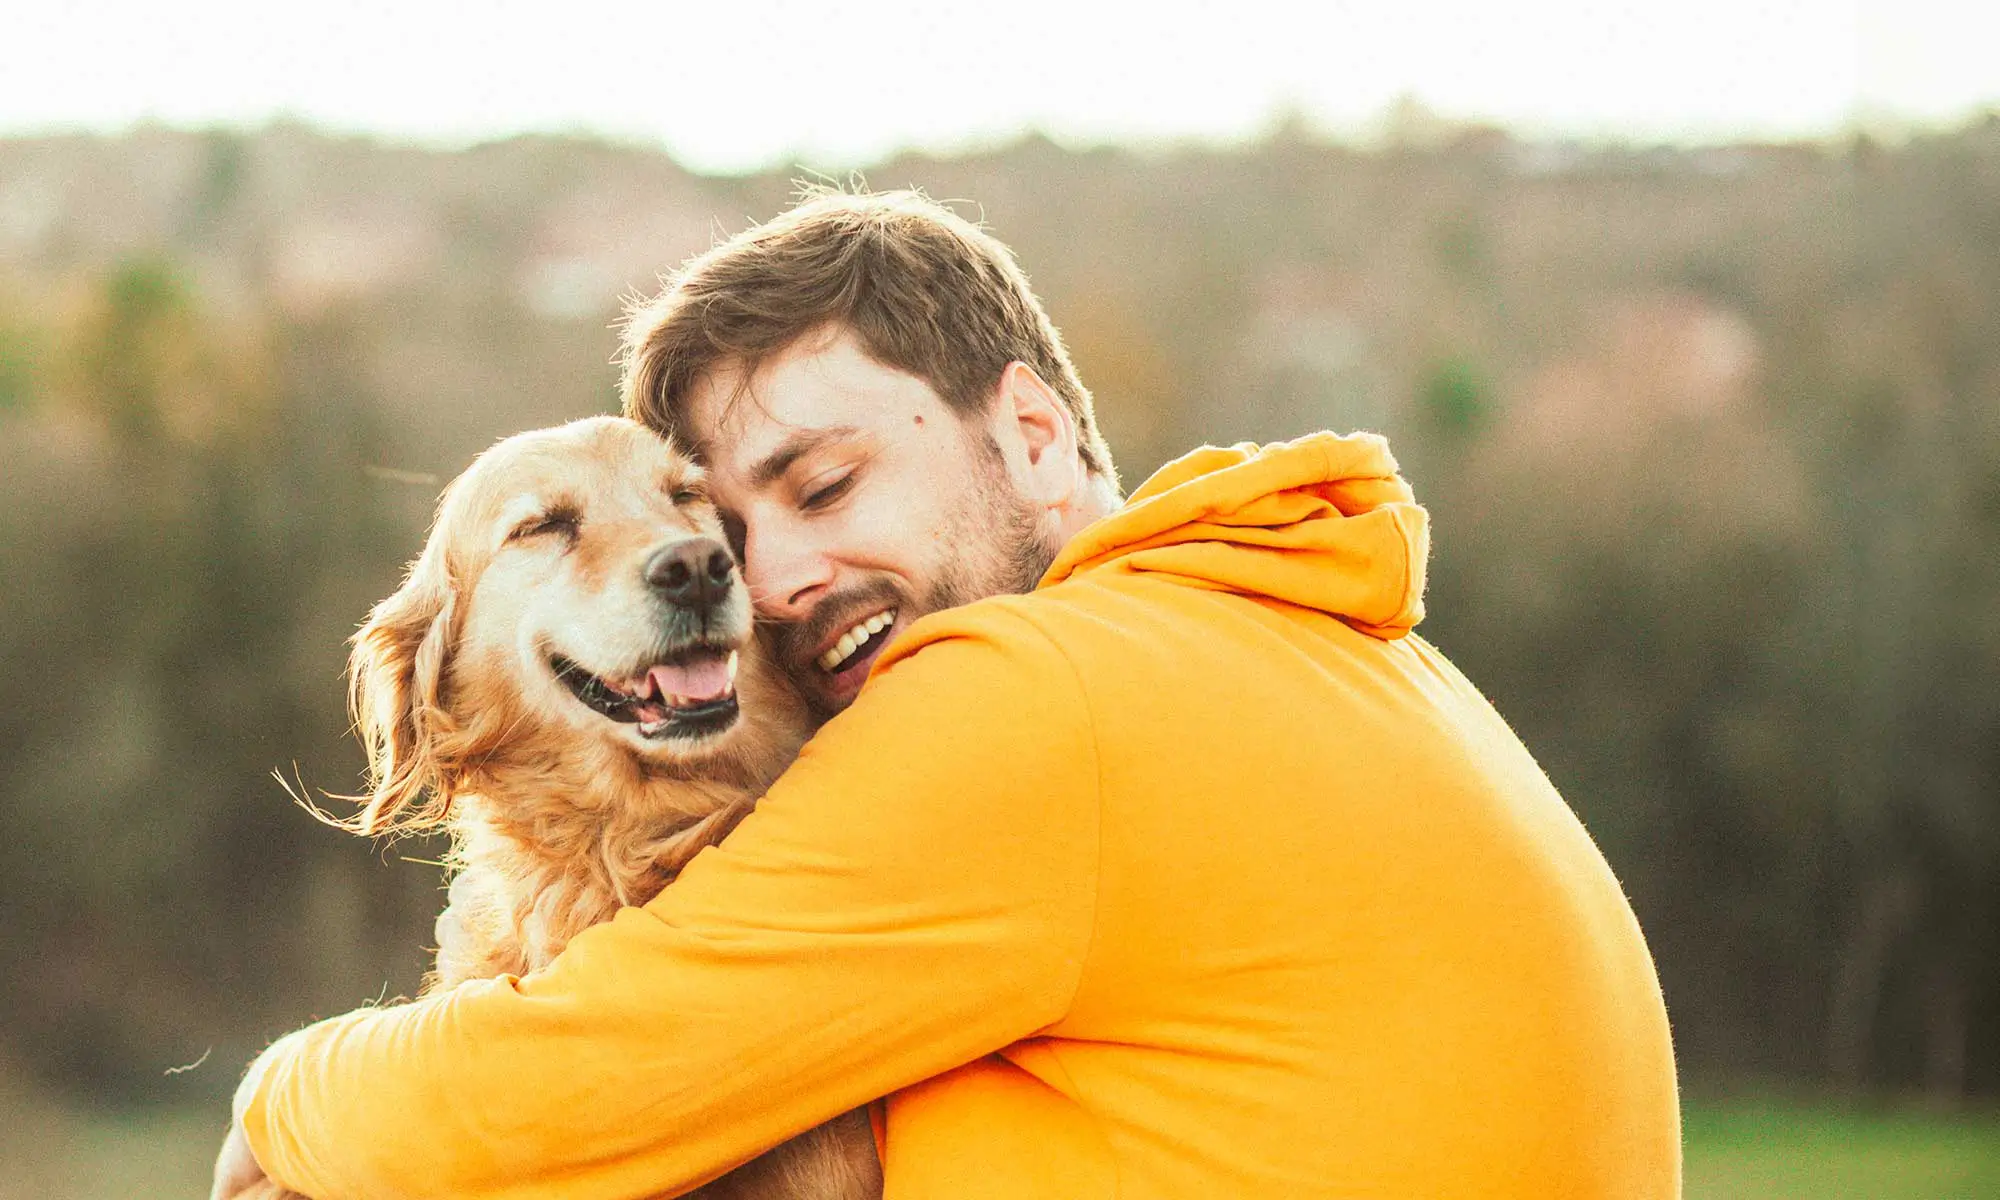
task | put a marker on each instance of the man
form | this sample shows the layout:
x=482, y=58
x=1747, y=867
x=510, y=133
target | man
x=1190, y=873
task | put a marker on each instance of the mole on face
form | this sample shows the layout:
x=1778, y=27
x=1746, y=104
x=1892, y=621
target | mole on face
x=919, y=418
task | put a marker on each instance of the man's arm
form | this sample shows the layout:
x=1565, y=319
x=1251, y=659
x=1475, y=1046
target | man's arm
x=916, y=892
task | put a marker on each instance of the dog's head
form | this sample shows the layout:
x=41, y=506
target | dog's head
x=575, y=598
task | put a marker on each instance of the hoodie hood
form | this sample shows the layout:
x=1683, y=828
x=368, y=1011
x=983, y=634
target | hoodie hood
x=1323, y=522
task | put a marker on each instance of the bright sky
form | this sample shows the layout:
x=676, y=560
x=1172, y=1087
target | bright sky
x=732, y=86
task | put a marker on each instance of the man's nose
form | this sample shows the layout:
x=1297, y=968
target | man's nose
x=693, y=573
x=785, y=583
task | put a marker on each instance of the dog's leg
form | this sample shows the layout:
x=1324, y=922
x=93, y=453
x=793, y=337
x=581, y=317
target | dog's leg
x=479, y=934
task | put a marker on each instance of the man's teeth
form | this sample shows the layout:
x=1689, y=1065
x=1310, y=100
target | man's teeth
x=854, y=639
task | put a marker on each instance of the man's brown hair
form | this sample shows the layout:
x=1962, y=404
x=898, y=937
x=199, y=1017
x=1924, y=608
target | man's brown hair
x=922, y=289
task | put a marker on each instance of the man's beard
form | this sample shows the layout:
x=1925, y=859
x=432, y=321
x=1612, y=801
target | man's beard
x=1002, y=547
x=1005, y=548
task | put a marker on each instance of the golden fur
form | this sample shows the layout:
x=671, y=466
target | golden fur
x=558, y=814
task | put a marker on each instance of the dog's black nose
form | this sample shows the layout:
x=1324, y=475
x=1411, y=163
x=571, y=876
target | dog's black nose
x=693, y=574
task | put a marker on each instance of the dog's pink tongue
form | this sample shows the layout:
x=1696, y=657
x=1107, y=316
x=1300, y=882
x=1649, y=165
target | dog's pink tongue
x=695, y=682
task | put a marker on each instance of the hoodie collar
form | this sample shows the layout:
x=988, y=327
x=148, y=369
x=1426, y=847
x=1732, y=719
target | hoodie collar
x=1323, y=522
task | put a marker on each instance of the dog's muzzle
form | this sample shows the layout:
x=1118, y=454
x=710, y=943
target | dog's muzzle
x=688, y=689
x=696, y=574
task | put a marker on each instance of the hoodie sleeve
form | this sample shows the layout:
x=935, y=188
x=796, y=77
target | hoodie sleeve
x=917, y=891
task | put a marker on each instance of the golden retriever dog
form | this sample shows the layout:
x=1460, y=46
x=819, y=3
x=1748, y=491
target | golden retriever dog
x=568, y=682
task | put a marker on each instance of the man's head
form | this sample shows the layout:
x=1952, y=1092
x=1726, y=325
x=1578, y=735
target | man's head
x=889, y=420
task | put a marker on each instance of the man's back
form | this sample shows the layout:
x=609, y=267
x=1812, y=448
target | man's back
x=1347, y=939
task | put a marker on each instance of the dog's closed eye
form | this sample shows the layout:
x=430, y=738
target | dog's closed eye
x=559, y=521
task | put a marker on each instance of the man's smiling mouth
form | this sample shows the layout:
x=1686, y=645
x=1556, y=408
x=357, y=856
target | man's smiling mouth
x=691, y=693
x=851, y=642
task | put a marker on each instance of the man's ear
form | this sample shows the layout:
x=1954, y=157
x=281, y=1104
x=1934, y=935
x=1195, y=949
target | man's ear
x=1040, y=425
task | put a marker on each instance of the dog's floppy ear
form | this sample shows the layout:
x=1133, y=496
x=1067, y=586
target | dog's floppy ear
x=395, y=680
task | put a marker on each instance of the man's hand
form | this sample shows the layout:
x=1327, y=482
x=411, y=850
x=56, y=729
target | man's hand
x=237, y=1175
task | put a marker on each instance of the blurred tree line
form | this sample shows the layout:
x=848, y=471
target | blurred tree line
x=1712, y=440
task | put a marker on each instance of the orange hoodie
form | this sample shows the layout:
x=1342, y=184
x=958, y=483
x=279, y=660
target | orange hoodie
x=1190, y=874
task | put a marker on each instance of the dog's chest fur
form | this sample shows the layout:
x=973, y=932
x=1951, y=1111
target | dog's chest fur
x=532, y=873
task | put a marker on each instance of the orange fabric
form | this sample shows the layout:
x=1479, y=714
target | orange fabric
x=1191, y=874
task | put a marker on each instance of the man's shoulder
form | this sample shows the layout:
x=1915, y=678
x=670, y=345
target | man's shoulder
x=1016, y=627
x=1085, y=628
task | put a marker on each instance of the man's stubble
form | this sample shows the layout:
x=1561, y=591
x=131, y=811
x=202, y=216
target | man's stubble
x=998, y=542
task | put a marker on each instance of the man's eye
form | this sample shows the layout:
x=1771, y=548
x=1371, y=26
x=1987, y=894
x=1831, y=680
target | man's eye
x=562, y=524
x=827, y=493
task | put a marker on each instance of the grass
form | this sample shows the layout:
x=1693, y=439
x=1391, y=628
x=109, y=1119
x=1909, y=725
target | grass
x=1789, y=1150
x=1736, y=1150
x=47, y=1153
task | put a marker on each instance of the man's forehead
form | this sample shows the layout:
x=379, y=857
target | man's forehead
x=740, y=421
x=732, y=422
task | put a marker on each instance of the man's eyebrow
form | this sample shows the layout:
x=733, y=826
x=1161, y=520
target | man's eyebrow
x=772, y=466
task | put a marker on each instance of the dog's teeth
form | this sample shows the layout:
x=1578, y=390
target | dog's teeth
x=729, y=665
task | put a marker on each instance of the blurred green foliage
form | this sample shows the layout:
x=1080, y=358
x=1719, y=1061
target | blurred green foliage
x=1711, y=439
x=20, y=358
x=1455, y=398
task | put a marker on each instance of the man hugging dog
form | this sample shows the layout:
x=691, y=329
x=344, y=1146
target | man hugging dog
x=1145, y=850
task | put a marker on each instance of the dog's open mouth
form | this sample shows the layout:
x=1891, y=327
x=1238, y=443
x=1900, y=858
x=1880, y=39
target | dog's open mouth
x=691, y=694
